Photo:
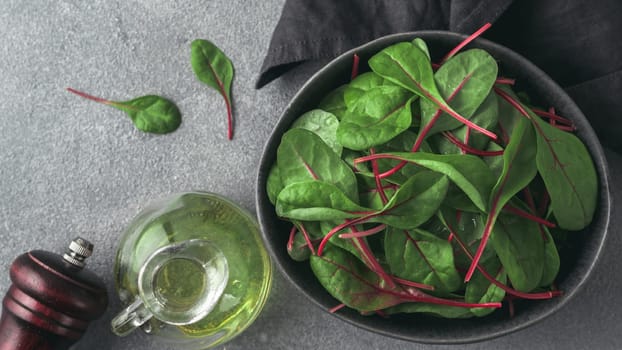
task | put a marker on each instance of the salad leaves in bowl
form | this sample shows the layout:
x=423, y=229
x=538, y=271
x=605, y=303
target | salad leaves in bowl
x=434, y=188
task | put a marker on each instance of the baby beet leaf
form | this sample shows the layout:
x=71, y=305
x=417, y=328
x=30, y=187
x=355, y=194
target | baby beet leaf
x=520, y=248
x=551, y=260
x=334, y=102
x=323, y=124
x=316, y=201
x=149, y=113
x=350, y=282
x=363, y=83
x=212, y=67
x=406, y=65
x=566, y=168
x=464, y=82
x=420, y=43
x=518, y=171
x=468, y=172
x=378, y=116
x=416, y=201
x=422, y=257
x=480, y=290
x=303, y=156
x=274, y=185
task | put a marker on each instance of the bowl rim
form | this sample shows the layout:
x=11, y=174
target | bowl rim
x=595, y=150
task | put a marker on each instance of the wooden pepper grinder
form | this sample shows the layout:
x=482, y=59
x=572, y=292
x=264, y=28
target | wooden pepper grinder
x=52, y=299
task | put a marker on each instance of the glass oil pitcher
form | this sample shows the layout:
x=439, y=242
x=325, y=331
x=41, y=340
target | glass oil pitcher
x=191, y=270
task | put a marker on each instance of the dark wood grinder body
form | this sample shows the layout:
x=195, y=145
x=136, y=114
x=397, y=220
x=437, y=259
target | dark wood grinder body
x=52, y=299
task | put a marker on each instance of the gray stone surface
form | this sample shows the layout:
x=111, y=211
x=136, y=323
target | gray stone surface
x=70, y=166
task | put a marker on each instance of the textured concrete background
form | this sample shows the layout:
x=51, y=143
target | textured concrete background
x=73, y=167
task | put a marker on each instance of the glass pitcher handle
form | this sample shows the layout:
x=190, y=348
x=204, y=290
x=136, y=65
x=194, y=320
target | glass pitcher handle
x=133, y=316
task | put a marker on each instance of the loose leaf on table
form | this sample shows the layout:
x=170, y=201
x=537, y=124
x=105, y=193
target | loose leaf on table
x=323, y=124
x=464, y=81
x=518, y=171
x=416, y=201
x=379, y=115
x=406, y=65
x=422, y=257
x=212, y=67
x=303, y=156
x=149, y=113
x=316, y=201
x=520, y=247
x=468, y=172
x=567, y=169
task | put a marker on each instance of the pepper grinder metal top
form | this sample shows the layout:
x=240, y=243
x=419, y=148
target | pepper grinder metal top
x=52, y=300
x=79, y=249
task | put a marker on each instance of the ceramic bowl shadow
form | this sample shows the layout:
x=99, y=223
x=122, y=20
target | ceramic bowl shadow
x=577, y=262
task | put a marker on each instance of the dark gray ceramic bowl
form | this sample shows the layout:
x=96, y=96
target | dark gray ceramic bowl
x=577, y=263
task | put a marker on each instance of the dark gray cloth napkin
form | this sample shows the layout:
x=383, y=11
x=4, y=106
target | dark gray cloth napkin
x=576, y=42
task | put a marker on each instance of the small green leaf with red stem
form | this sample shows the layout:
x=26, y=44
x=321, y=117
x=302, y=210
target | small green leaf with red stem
x=212, y=67
x=382, y=113
x=323, y=124
x=316, y=201
x=520, y=248
x=481, y=290
x=468, y=172
x=567, y=169
x=350, y=282
x=416, y=201
x=303, y=156
x=518, y=171
x=464, y=82
x=420, y=256
x=149, y=113
x=406, y=65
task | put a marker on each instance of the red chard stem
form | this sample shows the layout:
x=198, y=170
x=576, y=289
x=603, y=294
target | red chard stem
x=90, y=97
x=336, y=308
x=465, y=42
x=355, y=66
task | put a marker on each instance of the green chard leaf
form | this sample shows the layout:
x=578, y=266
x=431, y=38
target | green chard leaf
x=351, y=282
x=334, y=102
x=551, y=260
x=316, y=201
x=464, y=81
x=422, y=257
x=362, y=84
x=406, y=65
x=303, y=156
x=568, y=173
x=274, y=185
x=416, y=201
x=518, y=171
x=520, y=248
x=420, y=43
x=480, y=290
x=212, y=67
x=468, y=172
x=486, y=116
x=323, y=124
x=565, y=166
x=379, y=115
x=150, y=113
